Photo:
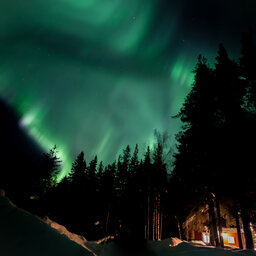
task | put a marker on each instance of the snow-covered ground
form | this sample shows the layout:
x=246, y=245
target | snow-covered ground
x=164, y=248
x=22, y=233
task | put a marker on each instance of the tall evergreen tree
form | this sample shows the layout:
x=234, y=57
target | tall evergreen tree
x=248, y=140
x=147, y=175
x=134, y=164
x=198, y=117
x=92, y=197
x=47, y=181
x=49, y=169
x=123, y=169
x=215, y=124
x=159, y=184
x=78, y=193
x=109, y=200
x=79, y=171
x=92, y=169
x=100, y=171
x=195, y=167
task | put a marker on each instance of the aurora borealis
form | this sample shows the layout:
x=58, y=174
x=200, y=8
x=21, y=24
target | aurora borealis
x=96, y=75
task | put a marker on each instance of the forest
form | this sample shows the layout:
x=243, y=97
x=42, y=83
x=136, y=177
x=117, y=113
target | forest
x=151, y=195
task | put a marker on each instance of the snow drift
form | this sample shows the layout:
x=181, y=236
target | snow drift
x=171, y=247
x=63, y=231
x=22, y=233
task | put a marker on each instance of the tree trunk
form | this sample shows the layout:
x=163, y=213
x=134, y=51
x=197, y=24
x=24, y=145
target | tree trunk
x=161, y=226
x=238, y=229
x=158, y=215
x=148, y=216
x=247, y=230
x=107, y=221
x=212, y=218
x=145, y=232
x=221, y=244
x=179, y=229
x=156, y=218
x=153, y=224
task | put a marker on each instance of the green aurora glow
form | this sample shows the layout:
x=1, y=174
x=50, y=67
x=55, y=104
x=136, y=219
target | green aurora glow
x=96, y=75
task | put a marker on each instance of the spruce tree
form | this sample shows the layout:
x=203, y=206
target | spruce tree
x=49, y=169
x=79, y=192
x=123, y=170
x=215, y=125
x=110, y=211
x=248, y=140
x=79, y=171
x=146, y=166
x=92, y=169
x=194, y=164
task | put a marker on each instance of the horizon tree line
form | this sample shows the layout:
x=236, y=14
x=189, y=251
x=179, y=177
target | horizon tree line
x=125, y=198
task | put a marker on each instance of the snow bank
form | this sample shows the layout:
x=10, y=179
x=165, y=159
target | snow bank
x=63, y=230
x=92, y=246
x=170, y=247
x=22, y=233
x=175, y=241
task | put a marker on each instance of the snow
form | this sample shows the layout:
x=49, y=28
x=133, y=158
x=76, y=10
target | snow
x=93, y=246
x=63, y=231
x=22, y=233
x=171, y=247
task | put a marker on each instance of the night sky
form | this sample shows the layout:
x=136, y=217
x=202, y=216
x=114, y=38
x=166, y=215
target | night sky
x=96, y=75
